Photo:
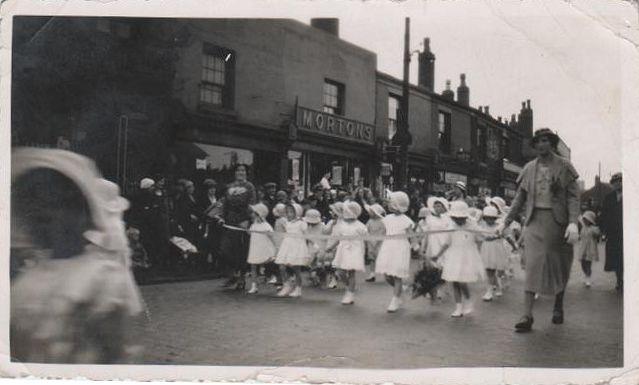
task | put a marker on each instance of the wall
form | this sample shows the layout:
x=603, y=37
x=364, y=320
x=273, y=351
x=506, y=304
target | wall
x=278, y=60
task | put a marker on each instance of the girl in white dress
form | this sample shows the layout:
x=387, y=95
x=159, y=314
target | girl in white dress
x=332, y=227
x=432, y=244
x=261, y=247
x=462, y=263
x=375, y=226
x=394, y=255
x=293, y=252
x=494, y=254
x=349, y=256
x=316, y=247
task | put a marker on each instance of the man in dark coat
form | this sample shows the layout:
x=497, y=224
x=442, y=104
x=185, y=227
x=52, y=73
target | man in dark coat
x=612, y=227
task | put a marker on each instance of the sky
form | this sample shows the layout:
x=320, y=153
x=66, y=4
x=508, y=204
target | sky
x=565, y=57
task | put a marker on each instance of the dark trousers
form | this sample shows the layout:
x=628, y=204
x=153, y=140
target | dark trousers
x=586, y=267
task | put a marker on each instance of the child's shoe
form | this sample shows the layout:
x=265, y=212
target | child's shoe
x=458, y=311
x=273, y=280
x=371, y=277
x=349, y=298
x=285, y=290
x=297, y=292
x=253, y=288
x=488, y=296
x=395, y=303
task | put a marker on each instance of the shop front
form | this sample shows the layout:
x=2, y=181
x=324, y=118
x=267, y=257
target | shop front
x=330, y=144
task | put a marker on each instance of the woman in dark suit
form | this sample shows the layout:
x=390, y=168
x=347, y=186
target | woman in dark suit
x=612, y=227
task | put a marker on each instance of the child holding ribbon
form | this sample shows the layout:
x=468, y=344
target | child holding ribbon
x=261, y=247
x=349, y=256
x=394, y=254
x=293, y=251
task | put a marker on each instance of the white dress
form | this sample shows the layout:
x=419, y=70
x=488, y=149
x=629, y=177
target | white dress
x=435, y=242
x=350, y=253
x=280, y=228
x=394, y=254
x=261, y=248
x=494, y=254
x=293, y=250
x=462, y=261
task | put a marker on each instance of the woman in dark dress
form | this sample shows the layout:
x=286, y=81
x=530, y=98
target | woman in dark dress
x=235, y=212
x=612, y=227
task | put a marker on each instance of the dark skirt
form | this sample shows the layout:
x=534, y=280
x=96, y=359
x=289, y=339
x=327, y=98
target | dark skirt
x=234, y=249
x=614, y=253
x=548, y=258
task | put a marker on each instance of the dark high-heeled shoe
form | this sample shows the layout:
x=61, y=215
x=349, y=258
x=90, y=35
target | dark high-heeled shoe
x=524, y=324
x=557, y=317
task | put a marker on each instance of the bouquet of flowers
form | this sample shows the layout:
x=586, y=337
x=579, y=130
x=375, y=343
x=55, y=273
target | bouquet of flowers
x=427, y=279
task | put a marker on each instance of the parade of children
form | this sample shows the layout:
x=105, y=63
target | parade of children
x=449, y=248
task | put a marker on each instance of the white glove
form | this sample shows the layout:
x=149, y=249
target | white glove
x=572, y=234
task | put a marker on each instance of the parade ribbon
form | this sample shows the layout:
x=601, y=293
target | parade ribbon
x=368, y=237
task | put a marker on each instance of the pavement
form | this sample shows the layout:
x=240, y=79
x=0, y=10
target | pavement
x=200, y=323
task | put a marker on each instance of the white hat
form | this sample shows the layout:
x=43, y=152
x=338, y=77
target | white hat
x=461, y=185
x=351, y=210
x=499, y=202
x=146, y=183
x=399, y=201
x=375, y=210
x=299, y=210
x=312, y=216
x=490, y=211
x=110, y=192
x=260, y=209
x=423, y=212
x=458, y=209
x=337, y=208
x=279, y=210
x=430, y=202
x=590, y=216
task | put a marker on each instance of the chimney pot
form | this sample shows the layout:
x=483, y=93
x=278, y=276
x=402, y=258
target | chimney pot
x=523, y=105
x=487, y=110
x=463, y=92
x=481, y=109
x=528, y=104
x=499, y=119
x=326, y=24
x=426, y=68
x=448, y=93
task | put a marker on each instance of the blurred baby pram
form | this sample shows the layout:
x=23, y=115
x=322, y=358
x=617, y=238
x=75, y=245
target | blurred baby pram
x=73, y=296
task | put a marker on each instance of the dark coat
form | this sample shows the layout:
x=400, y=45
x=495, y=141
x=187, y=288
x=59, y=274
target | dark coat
x=611, y=223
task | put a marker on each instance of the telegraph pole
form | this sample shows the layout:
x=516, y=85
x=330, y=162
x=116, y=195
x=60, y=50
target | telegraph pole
x=405, y=138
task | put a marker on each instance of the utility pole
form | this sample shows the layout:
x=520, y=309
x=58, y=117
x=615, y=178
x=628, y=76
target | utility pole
x=405, y=137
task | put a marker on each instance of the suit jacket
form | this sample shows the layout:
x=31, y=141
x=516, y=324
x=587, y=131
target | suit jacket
x=564, y=188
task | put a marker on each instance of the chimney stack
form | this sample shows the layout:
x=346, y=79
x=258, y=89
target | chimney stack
x=487, y=110
x=526, y=119
x=499, y=119
x=448, y=93
x=463, y=93
x=329, y=25
x=426, y=72
x=481, y=109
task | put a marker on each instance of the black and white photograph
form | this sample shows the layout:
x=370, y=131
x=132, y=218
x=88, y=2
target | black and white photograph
x=374, y=185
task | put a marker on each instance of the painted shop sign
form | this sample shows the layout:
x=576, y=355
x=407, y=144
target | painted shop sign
x=320, y=122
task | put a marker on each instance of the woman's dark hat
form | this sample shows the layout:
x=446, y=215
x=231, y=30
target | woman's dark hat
x=554, y=138
x=209, y=183
x=615, y=178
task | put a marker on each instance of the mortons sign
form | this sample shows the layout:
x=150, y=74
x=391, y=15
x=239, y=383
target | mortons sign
x=328, y=124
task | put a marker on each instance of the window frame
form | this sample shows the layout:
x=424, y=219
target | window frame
x=397, y=98
x=444, y=137
x=227, y=88
x=340, y=108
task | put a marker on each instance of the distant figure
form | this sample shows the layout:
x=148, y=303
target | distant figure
x=612, y=228
x=325, y=181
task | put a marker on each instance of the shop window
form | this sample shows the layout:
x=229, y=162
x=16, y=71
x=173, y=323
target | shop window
x=443, y=134
x=216, y=83
x=333, y=97
x=393, y=114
